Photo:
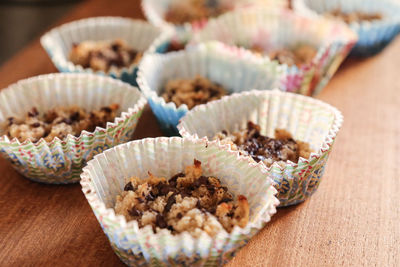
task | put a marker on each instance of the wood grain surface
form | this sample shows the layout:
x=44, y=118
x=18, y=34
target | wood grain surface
x=352, y=220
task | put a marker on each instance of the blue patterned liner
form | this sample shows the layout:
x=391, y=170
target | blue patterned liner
x=234, y=68
x=373, y=36
x=139, y=34
x=105, y=176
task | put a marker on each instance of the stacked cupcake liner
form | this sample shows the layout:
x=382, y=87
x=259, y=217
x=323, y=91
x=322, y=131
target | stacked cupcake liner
x=105, y=176
x=373, y=36
x=155, y=11
x=307, y=119
x=61, y=161
x=234, y=68
x=137, y=33
x=286, y=29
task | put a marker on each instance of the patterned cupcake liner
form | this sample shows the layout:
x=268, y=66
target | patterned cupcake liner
x=274, y=28
x=235, y=69
x=307, y=119
x=138, y=34
x=373, y=36
x=61, y=161
x=105, y=176
x=155, y=11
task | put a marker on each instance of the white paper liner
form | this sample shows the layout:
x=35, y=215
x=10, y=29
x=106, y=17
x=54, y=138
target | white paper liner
x=235, y=69
x=105, y=176
x=277, y=28
x=137, y=33
x=307, y=119
x=61, y=161
x=155, y=11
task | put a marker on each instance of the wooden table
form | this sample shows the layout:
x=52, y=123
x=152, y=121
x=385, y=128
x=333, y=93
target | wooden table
x=352, y=220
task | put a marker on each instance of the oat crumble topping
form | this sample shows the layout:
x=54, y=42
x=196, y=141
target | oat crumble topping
x=187, y=201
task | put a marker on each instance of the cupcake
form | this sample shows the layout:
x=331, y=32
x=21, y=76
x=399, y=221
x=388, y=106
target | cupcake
x=175, y=82
x=310, y=49
x=291, y=135
x=191, y=15
x=110, y=46
x=58, y=122
x=375, y=22
x=173, y=201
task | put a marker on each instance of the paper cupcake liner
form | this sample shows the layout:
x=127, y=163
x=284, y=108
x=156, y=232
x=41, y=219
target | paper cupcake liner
x=105, y=176
x=137, y=33
x=274, y=28
x=155, y=11
x=235, y=69
x=307, y=119
x=61, y=161
x=373, y=36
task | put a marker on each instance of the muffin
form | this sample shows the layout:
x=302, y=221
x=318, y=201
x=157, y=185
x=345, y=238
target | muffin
x=60, y=121
x=175, y=82
x=310, y=49
x=192, y=15
x=110, y=46
x=375, y=22
x=155, y=204
x=290, y=134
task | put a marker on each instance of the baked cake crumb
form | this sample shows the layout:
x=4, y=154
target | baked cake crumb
x=300, y=55
x=356, y=16
x=104, y=55
x=180, y=12
x=58, y=122
x=263, y=148
x=187, y=201
x=192, y=92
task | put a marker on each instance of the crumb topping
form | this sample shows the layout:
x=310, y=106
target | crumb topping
x=187, y=201
x=356, y=16
x=263, y=148
x=104, y=55
x=300, y=55
x=58, y=122
x=192, y=92
x=193, y=10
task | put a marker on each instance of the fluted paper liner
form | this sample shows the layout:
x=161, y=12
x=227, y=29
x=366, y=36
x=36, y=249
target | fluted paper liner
x=138, y=34
x=105, y=176
x=373, y=36
x=307, y=119
x=235, y=69
x=61, y=161
x=275, y=28
x=155, y=11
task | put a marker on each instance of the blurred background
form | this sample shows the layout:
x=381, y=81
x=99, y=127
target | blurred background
x=24, y=20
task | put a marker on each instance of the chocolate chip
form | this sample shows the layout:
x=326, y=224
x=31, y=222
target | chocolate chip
x=212, y=210
x=179, y=215
x=171, y=201
x=150, y=196
x=74, y=116
x=230, y=214
x=201, y=180
x=129, y=187
x=66, y=121
x=198, y=205
x=33, y=112
x=35, y=125
x=160, y=221
x=106, y=109
x=225, y=200
x=140, y=200
x=10, y=120
x=224, y=132
x=115, y=47
x=134, y=212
